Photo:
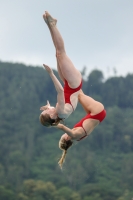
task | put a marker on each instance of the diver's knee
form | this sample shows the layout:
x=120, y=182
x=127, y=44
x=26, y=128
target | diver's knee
x=60, y=53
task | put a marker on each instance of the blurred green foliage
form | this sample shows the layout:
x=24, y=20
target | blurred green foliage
x=97, y=168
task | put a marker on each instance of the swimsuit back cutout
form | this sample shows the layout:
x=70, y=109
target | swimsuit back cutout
x=100, y=116
x=69, y=91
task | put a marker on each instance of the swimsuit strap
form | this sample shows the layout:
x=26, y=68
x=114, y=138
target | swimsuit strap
x=100, y=116
x=84, y=135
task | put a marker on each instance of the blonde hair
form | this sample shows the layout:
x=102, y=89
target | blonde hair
x=64, y=145
x=47, y=119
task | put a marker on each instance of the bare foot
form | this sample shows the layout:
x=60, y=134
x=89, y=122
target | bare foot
x=45, y=18
x=50, y=20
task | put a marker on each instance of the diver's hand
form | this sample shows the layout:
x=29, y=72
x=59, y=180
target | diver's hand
x=45, y=107
x=48, y=69
x=60, y=126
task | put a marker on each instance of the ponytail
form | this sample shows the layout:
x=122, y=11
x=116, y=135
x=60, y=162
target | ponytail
x=64, y=145
x=62, y=159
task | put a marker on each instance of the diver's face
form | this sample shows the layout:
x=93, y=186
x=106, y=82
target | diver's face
x=50, y=110
x=65, y=137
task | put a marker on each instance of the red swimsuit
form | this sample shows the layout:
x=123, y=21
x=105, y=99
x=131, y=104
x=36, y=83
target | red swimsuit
x=69, y=91
x=100, y=116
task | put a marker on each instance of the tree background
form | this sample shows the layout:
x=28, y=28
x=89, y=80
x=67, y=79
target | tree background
x=97, y=168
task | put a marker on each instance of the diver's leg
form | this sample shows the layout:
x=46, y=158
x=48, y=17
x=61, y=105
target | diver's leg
x=69, y=72
x=89, y=104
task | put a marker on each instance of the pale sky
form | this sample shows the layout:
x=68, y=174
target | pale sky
x=98, y=34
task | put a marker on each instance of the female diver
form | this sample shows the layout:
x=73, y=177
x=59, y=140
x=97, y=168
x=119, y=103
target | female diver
x=95, y=114
x=67, y=97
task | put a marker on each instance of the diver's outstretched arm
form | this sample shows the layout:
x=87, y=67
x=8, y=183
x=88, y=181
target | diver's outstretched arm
x=58, y=87
x=73, y=134
x=66, y=130
x=56, y=82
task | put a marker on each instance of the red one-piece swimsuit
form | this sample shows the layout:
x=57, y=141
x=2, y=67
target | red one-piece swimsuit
x=100, y=116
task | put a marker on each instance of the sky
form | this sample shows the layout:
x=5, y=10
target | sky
x=98, y=34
